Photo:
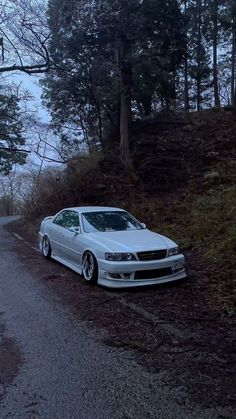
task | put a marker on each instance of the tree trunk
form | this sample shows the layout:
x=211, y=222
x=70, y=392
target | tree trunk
x=199, y=42
x=125, y=112
x=146, y=103
x=233, y=72
x=125, y=69
x=215, y=54
x=186, y=82
x=174, y=90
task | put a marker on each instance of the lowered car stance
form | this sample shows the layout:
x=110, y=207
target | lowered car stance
x=110, y=247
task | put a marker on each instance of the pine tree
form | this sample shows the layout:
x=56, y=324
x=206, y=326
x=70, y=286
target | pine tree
x=11, y=138
x=112, y=59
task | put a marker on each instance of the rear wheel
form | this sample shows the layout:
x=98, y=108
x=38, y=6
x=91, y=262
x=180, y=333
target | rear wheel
x=90, y=268
x=46, y=247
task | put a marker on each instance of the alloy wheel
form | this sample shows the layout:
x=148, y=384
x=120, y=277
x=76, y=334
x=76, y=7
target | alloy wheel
x=46, y=247
x=90, y=268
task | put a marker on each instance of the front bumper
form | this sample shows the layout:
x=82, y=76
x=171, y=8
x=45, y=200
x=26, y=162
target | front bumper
x=127, y=274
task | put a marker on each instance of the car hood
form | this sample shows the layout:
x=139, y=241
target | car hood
x=131, y=241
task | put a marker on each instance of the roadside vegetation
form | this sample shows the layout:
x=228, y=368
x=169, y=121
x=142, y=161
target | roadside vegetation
x=193, y=200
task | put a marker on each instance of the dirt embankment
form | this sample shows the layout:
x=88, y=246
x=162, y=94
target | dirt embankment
x=183, y=186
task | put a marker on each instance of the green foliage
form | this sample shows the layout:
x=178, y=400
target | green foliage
x=160, y=43
x=10, y=132
x=83, y=92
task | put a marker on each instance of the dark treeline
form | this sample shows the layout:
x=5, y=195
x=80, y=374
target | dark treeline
x=108, y=63
x=117, y=61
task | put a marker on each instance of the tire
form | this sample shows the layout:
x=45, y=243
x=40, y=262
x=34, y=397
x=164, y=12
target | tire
x=46, y=247
x=90, y=268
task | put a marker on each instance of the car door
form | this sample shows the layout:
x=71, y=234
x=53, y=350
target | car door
x=57, y=233
x=73, y=246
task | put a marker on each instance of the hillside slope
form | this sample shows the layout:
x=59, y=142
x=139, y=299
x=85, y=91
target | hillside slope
x=183, y=186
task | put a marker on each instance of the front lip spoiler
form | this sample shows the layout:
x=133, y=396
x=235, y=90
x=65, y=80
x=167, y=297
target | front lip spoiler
x=122, y=283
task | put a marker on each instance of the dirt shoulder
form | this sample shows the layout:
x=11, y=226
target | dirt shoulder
x=10, y=358
x=170, y=328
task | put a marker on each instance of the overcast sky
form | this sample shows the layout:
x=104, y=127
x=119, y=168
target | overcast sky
x=31, y=84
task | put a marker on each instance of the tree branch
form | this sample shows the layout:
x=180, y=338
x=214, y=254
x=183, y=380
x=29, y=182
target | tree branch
x=14, y=150
x=49, y=159
x=28, y=69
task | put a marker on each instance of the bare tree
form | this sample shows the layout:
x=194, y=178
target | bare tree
x=24, y=36
x=10, y=187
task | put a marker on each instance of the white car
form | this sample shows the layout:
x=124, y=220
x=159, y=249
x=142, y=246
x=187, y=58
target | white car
x=110, y=247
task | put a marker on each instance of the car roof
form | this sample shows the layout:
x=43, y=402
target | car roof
x=93, y=209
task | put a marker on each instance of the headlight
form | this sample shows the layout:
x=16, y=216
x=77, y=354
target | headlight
x=119, y=257
x=173, y=251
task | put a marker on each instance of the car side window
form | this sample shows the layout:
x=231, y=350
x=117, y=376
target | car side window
x=72, y=220
x=61, y=219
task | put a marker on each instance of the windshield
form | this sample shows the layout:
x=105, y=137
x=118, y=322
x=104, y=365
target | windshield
x=109, y=221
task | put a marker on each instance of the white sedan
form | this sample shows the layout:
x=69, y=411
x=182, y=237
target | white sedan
x=110, y=247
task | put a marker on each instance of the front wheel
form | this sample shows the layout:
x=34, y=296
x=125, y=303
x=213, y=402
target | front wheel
x=46, y=247
x=90, y=268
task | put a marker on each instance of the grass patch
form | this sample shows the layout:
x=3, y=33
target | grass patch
x=207, y=224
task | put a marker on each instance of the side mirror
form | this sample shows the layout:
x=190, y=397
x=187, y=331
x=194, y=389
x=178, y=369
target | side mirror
x=75, y=230
x=143, y=225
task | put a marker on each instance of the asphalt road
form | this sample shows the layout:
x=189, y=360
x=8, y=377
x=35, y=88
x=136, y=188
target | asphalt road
x=54, y=367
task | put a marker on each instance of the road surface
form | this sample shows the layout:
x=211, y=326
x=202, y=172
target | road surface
x=53, y=367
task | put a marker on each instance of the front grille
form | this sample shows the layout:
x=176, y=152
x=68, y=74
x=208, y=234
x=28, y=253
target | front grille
x=153, y=273
x=152, y=255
